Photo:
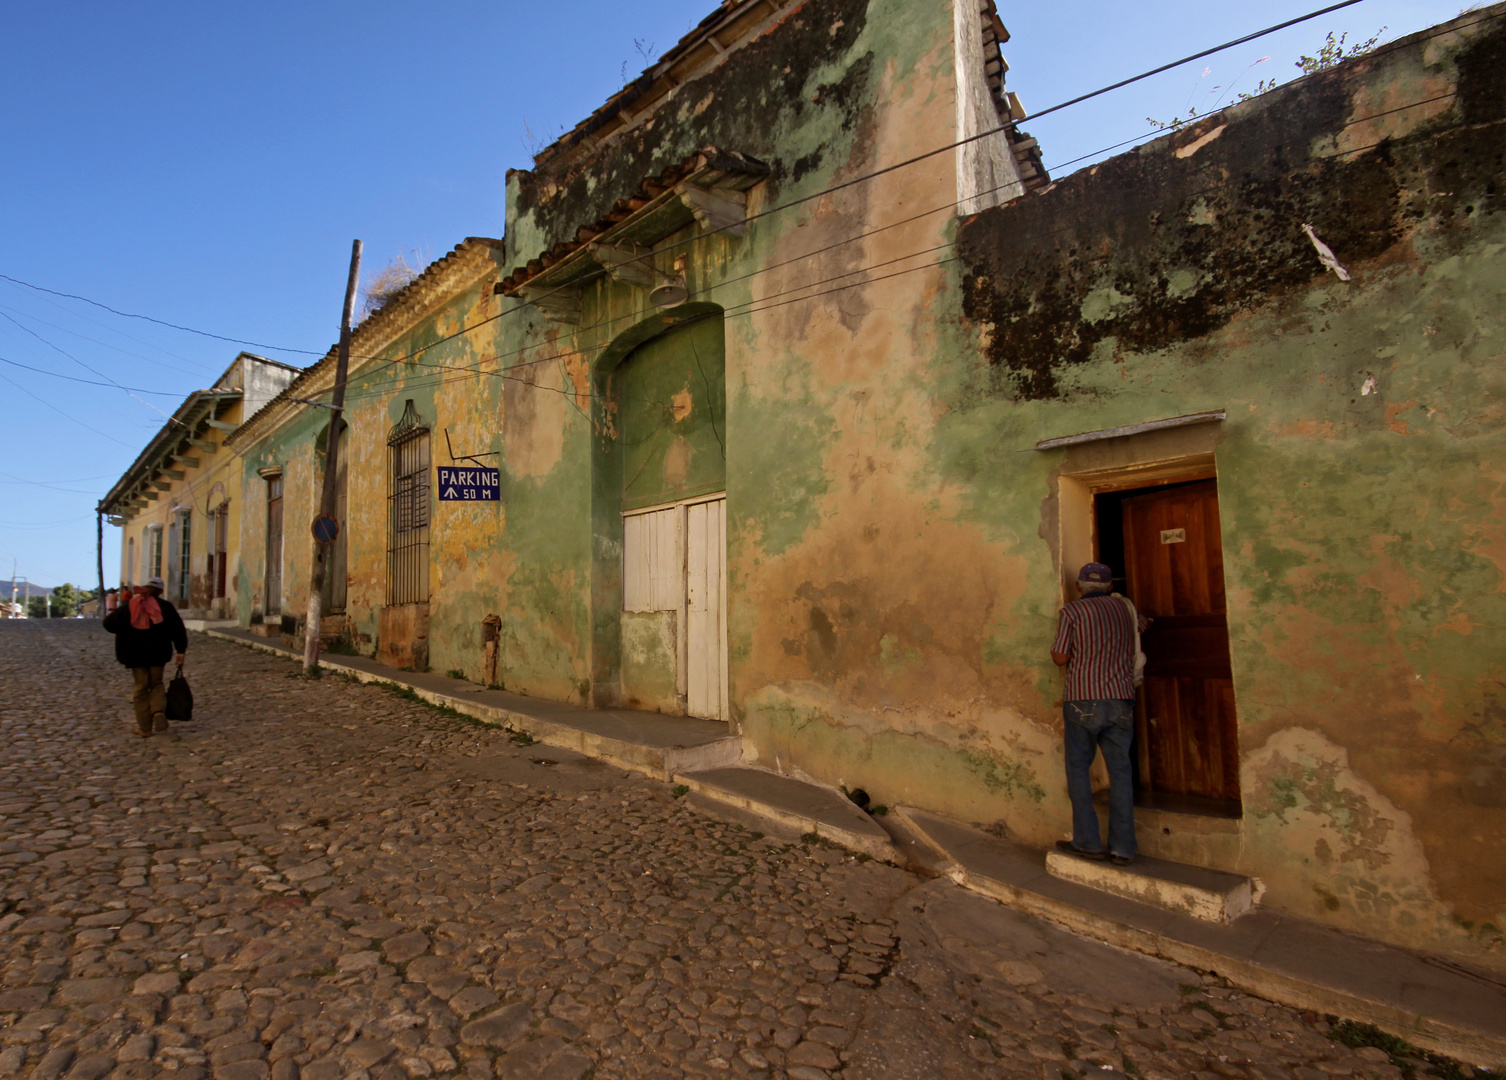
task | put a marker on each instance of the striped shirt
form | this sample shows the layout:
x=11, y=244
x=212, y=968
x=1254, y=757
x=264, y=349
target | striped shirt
x=1097, y=633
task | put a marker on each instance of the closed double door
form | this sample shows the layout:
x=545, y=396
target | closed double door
x=675, y=561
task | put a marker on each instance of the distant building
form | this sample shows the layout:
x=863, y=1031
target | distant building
x=178, y=505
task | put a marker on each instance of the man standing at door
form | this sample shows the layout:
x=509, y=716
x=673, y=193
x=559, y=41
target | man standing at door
x=1096, y=643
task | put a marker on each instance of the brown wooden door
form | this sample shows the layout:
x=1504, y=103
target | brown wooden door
x=1174, y=564
x=273, y=605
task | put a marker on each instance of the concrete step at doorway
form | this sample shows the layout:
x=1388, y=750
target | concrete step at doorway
x=1211, y=895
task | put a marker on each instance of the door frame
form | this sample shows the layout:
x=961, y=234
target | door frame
x=1117, y=463
x=682, y=612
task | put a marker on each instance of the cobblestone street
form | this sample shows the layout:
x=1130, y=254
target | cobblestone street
x=326, y=880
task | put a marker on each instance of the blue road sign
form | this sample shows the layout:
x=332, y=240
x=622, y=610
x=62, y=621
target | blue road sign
x=468, y=484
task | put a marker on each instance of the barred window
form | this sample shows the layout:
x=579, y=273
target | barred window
x=408, y=510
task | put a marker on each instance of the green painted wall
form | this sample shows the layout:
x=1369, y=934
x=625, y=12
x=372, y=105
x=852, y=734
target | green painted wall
x=895, y=541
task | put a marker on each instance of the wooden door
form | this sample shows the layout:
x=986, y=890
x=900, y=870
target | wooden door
x=273, y=605
x=706, y=609
x=221, y=544
x=1174, y=564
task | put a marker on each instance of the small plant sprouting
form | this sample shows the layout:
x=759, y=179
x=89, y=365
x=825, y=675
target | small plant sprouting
x=680, y=791
x=455, y=673
x=1330, y=54
x=521, y=738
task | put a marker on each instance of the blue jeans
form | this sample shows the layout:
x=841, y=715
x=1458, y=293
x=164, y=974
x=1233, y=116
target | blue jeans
x=1108, y=726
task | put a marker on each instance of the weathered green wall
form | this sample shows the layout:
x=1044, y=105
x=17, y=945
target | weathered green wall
x=1360, y=469
x=895, y=540
x=672, y=408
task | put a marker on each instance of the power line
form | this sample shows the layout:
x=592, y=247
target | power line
x=751, y=217
x=86, y=382
x=477, y=371
x=1195, y=56
x=159, y=322
x=60, y=412
x=753, y=307
x=103, y=344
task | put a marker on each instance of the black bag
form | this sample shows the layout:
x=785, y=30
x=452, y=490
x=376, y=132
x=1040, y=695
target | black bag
x=179, y=698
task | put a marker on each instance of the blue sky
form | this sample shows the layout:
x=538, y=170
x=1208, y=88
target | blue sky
x=209, y=164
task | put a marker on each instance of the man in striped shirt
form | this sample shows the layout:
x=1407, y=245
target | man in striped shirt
x=1096, y=643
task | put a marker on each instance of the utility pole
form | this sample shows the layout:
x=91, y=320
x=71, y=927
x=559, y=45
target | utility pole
x=99, y=555
x=322, y=551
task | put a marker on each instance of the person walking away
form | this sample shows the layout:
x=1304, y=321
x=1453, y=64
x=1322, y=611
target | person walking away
x=1096, y=641
x=147, y=633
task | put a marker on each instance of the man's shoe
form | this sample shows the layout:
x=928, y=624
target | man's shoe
x=1072, y=849
x=159, y=722
x=1121, y=860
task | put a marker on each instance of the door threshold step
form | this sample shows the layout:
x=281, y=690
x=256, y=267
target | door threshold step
x=788, y=807
x=1210, y=895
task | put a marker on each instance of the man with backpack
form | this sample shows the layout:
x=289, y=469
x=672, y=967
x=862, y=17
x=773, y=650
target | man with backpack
x=147, y=633
x=1098, y=642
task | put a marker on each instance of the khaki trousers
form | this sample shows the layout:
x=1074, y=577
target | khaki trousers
x=150, y=697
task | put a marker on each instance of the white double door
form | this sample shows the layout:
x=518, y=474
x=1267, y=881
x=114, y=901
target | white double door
x=675, y=559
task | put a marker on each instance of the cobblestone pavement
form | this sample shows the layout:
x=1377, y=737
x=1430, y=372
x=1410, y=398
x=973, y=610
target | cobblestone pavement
x=325, y=880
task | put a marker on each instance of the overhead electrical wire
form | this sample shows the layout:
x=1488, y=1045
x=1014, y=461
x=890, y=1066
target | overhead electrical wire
x=87, y=382
x=105, y=344
x=599, y=272
x=761, y=303
x=864, y=178
x=159, y=322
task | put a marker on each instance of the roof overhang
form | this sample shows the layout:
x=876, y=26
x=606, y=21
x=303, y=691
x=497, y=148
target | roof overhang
x=175, y=441
x=710, y=187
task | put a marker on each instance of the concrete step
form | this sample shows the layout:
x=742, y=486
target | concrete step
x=1433, y=1002
x=645, y=742
x=787, y=807
x=202, y=625
x=1211, y=895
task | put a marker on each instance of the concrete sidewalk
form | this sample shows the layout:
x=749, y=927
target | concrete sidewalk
x=1432, y=1002
x=646, y=742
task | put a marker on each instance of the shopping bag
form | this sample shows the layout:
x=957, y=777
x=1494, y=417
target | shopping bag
x=179, y=698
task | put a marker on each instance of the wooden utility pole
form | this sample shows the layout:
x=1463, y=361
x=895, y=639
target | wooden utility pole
x=331, y=466
x=99, y=555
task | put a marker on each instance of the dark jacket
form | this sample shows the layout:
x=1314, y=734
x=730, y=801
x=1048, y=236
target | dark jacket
x=152, y=647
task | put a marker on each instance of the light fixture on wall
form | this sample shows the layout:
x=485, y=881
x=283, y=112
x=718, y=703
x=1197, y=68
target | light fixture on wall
x=671, y=292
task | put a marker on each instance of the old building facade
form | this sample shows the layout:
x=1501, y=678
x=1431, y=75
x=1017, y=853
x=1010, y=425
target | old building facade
x=179, y=504
x=808, y=393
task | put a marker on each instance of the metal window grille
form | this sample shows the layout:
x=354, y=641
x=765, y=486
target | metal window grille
x=408, y=510
x=185, y=577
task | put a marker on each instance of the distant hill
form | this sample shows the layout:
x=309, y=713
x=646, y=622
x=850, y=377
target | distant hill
x=36, y=590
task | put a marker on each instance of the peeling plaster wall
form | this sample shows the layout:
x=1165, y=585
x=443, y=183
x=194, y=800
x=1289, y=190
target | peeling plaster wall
x=467, y=552
x=894, y=540
x=1360, y=469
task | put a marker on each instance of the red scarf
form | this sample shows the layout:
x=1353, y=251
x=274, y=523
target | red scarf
x=145, y=611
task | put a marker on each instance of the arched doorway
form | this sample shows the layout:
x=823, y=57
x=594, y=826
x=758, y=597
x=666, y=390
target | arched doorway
x=666, y=473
